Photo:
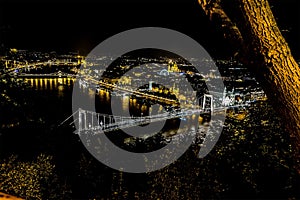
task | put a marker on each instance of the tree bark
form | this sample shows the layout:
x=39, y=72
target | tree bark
x=271, y=60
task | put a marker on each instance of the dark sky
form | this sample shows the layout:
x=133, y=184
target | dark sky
x=80, y=25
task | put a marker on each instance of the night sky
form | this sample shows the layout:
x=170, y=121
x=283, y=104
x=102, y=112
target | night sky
x=67, y=25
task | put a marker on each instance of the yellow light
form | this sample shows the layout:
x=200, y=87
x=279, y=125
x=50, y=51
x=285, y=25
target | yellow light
x=14, y=50
x=60, y=81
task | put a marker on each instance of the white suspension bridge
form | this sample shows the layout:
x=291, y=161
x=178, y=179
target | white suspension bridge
x=93, y=121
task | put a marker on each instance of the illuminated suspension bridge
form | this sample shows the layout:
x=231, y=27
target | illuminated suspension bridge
x=92, y=121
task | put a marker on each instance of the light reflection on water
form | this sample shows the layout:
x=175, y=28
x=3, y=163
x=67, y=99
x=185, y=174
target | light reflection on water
x=49, y=83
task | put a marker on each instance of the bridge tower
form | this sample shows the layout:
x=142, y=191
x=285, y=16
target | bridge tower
x=209, y=96
x=81, y=120
x=224, y=96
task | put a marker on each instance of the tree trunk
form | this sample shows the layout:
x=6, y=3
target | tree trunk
x=270, y=58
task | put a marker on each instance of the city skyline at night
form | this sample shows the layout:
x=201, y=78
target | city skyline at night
x=111, y=99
